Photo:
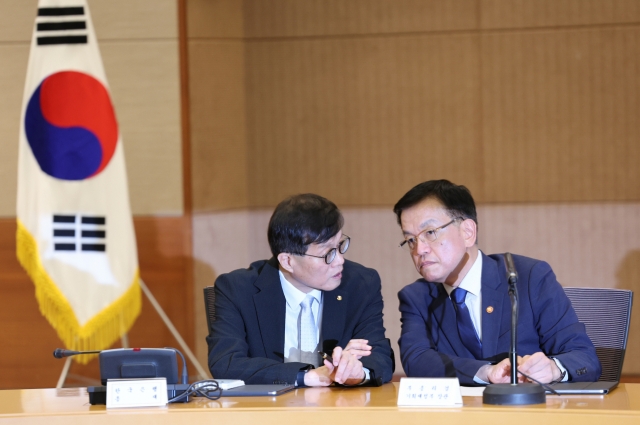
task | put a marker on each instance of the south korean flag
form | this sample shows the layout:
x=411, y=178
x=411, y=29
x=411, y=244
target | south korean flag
x=75, y=233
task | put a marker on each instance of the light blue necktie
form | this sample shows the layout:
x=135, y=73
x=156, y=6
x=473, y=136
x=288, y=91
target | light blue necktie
x=308, y=333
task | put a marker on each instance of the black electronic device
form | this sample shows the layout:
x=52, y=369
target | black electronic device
x=135, y=363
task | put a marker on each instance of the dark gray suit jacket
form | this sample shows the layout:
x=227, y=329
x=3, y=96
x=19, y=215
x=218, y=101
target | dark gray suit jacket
x=246, y=340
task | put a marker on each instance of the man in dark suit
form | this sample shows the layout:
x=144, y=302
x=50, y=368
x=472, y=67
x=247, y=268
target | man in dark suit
x=274, y=318
x=456, y=321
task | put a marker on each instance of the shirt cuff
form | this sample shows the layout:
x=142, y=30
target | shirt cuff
x=367, y=376
x=477, y=380
x=563, y=371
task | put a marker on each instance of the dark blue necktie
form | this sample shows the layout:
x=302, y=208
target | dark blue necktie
x=466, y=330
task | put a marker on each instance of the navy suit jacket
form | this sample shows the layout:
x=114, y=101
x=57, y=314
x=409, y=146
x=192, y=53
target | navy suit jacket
x=246, y=340
x=430, y=345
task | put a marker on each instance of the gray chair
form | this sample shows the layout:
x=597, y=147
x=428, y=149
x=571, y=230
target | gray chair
x=210, y=306
x=606, y=314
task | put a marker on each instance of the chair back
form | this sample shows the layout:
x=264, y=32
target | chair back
x=605, y=314
x=210, y=306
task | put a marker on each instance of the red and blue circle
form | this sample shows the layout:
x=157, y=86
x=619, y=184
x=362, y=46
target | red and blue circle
x=71, y=126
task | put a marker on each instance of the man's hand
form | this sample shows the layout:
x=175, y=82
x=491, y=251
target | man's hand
x=359, y=347
x=496, y=374
x=539, y=367
x=347, y=366
x=319, y=377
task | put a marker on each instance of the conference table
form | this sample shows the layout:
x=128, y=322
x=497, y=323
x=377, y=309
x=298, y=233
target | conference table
x=318, y=406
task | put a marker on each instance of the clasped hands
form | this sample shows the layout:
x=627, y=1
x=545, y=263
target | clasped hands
x=346, y=368
x=537, y=366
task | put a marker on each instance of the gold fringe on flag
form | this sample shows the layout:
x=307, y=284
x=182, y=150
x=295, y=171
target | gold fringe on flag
x=102, y=330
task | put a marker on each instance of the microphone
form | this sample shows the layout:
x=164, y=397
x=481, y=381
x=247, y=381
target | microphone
x=513, y=393
x=60, y=353
x=512, y=274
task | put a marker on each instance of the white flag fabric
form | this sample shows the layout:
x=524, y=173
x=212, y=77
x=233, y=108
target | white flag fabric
x=75, y=234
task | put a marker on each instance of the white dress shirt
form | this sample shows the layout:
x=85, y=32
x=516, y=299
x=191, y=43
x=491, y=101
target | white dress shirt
x=294, y=297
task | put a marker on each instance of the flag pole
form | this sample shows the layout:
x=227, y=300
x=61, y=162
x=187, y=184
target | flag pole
x=173, y=330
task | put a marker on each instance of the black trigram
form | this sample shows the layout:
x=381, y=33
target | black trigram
x=61, y=20
x=79, y=233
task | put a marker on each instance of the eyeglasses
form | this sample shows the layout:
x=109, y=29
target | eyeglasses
x=343, y=245
x=427, y=235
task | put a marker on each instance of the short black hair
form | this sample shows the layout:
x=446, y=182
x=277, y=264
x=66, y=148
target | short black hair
x=456, y=199
x=301, y=220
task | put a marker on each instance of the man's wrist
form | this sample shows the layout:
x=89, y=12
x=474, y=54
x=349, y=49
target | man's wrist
x=482, y=375
x=301, y=376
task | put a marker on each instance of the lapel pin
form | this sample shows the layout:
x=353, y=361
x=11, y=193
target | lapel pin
x=339, y=297
x=489, y=309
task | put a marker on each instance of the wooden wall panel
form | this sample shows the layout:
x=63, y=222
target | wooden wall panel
x=553, y=13
x=27, y=361
x=293, y=18
x=145, y=86
x=12, y=76
x=360, y=120
x=16, y=20
x=219, y=153
x=135, y=19
x=215, y=19
x=560, y=115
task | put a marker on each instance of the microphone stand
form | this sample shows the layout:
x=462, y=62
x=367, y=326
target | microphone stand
x=513, y=393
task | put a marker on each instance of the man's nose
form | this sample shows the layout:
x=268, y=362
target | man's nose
x=339, y=260
x=422, y=246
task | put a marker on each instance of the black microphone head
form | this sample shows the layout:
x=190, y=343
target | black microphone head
x=60, y=353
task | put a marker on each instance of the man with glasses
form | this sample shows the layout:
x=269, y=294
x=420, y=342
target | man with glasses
x=456, y=321
x=274, y=319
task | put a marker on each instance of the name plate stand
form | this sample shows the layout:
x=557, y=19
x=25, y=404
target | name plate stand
x=429, y=392
x=149, y=392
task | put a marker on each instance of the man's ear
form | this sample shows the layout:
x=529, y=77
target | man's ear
x=469, y=232
x=285, y=259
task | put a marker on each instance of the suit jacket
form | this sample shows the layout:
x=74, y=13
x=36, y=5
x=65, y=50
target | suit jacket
x=430, y=345
x=246, y=340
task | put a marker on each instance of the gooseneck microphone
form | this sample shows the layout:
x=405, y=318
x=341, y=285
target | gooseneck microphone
x=60, y=353
x=513, y=393
x=512, y=274
x=512, y=278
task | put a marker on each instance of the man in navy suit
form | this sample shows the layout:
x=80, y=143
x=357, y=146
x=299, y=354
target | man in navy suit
x=456, y=321
x=274, y=318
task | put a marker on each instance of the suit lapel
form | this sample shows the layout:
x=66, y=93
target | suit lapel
x=493, y=300
x=271, y=310
x=334, y=316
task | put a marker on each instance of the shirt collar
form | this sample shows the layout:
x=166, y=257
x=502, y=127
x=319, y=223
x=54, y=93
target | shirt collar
x=293, y=295
x=472, y=282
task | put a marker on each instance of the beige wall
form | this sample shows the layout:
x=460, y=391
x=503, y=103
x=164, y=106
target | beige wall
x=523, y=101
x=138, y=40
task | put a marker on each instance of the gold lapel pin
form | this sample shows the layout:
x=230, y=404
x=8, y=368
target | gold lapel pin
x=339, y=297
x=489, y=309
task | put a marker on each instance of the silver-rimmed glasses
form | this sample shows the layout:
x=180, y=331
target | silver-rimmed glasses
x=427, y=235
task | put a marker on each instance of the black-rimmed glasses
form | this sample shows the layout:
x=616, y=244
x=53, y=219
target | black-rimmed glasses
x=343, y=245
x=427, y=235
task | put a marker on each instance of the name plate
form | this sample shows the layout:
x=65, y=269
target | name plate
x=429, y=392
x=149, y=392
